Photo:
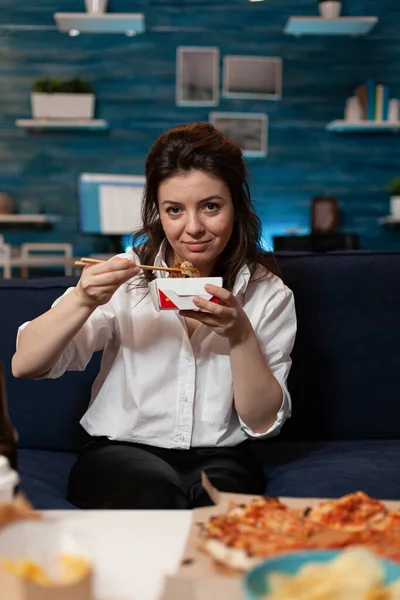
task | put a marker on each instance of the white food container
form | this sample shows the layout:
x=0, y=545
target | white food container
x=177, y=294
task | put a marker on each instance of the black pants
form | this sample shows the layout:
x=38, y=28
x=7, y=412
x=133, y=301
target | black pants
x=109, y=474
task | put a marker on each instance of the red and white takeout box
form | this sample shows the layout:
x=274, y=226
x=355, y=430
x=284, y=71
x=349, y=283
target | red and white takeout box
x=171, y=293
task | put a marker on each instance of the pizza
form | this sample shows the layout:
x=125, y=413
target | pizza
x=247, y=533
x=353, y=512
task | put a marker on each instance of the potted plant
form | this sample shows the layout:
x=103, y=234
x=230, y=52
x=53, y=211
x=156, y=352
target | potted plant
x=330, y=9
x=53, y=99
x=394, y=191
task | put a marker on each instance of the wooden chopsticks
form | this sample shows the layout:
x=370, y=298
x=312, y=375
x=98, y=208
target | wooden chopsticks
x=84, y=262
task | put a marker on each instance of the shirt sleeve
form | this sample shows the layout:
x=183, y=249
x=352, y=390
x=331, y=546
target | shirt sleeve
x=276, y=334
x=92, y=337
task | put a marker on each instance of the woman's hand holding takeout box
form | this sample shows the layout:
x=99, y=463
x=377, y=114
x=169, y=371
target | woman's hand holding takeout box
x=227, y=318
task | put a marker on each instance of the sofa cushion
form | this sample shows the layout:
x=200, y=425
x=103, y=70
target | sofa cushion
x=46, y=413
x=44, y=477
x=331, y=469
x=345, y=377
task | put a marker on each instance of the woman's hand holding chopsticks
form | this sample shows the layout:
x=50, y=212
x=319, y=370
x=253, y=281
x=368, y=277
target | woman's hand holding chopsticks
x=100, y=280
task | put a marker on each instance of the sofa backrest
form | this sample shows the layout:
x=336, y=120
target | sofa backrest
x=46, y=413
x=345, y=378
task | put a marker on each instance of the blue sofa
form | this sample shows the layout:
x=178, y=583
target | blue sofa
x=344, y=434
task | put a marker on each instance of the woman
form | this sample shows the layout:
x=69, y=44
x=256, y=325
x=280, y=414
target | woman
x=177, y=394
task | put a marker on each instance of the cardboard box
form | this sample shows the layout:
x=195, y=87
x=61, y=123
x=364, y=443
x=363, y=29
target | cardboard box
x=41, y=543
x=177, y=294
x=198, y=578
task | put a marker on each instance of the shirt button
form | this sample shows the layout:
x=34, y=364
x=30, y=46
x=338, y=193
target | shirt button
x=188, y=359
x=185, y=398
x=182, y=438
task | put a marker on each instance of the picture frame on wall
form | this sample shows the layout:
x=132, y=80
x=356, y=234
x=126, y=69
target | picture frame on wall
x=197, y=76
x=252, y=77
x=324, y=215
x=248, y=130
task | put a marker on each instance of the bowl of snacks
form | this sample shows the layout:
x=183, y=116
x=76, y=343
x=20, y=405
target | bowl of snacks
x=40, y=559
x=352, y=574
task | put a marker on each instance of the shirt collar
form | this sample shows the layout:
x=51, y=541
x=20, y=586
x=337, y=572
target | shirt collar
x=160, y=262
x=241, y=281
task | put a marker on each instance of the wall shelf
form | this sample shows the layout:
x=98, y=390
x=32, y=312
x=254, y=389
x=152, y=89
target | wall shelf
x=390, y=221
x=75, y=23
x=249, y=130
x=25, y=221
x=318, y=26
x=342, y=126
x=252, y=77
x=94, y=124
x=197, y=76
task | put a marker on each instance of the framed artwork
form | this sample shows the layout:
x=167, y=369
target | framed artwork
x=324, y=214
x=197, y=76
x=249, y=130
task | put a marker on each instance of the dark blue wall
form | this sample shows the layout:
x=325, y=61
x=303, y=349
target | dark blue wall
x=134, y=80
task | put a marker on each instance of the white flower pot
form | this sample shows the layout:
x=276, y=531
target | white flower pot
x=330, y=9
x=62, y=106
x=395, y=206
x=96, y=6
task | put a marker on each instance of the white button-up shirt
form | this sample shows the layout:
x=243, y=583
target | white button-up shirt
x=158, y=387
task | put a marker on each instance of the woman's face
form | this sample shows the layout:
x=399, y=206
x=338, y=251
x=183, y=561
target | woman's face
x=197, y=216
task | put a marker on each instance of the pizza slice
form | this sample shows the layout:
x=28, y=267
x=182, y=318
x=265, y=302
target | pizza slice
x=353, y=512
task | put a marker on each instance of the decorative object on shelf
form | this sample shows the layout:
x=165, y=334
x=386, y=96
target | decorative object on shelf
x=374, y=99
x=369, y=109
x=96, y=6
x=249, y=130
x=197, y=76
x=394, y=112
x=252, y=77
x=324, y=215
x=7, y=204
x=394, y=191
x=353, y=110
x=53, y=99
x=55, y=251
x=329, y=9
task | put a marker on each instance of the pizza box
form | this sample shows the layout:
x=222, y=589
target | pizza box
x=41, y=543
x=198, y=578
x=169, y=293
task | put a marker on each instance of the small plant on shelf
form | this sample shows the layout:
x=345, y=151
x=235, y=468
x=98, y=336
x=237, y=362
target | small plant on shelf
x=394, y=187
x=55, y=99
x=77, y=85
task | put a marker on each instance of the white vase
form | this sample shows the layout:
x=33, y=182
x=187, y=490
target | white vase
x=394, y=110
x=62, y=106
x=395, y=206
x=353, y=109
x=330, y=9
x=96, y=6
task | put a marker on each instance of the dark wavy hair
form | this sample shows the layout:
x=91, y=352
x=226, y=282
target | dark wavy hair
x=200, y=146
